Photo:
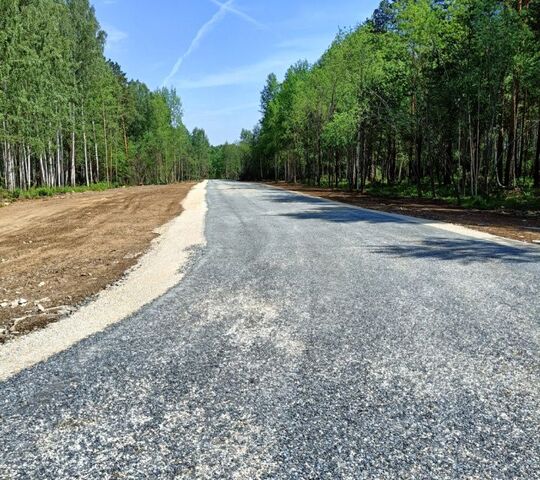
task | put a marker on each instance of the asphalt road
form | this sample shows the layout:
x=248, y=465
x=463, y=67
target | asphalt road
x=308, y=340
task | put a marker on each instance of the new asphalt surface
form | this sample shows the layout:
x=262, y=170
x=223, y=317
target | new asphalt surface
x=308, y=339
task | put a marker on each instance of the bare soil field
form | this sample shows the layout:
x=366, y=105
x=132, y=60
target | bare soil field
x=523, y=226
x=55, y=253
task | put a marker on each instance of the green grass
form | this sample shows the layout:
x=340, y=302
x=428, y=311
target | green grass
x=509, y=200
x=524, y=198
x=39, y=192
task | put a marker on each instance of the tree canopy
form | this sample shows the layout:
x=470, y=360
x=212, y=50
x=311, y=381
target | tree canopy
x=442, y=95
x=69, y=116
x=437, y=94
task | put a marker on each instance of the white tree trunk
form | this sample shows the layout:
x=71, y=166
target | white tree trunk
x=106, y=147
x=28, y=167
x=58, y=160
x=42, y=169
x=96, y=151
x=72, y=171
x=86, y=158
x=10, y=174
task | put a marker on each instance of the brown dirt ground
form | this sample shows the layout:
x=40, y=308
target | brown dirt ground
x=57, y=252
x=523, y=226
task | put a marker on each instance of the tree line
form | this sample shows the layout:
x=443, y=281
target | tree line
x=69, y=116
x=228, y=161
x=437, y=94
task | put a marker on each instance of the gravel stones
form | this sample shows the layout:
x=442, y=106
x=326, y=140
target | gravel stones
x=306, y=340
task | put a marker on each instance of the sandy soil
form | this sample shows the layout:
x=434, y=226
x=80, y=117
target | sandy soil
x=158, y=270
x=523, y=226
x=55, y=253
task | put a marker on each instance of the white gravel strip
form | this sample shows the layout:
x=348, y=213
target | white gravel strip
x=156, y=272
x=440, y=225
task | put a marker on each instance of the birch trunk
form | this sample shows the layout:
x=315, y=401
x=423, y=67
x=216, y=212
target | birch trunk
x=10, y=177
x=42, y=170
x=106, y=147
x=58, y=180
x=87, y=177
x=72, y=170
x=96, y=154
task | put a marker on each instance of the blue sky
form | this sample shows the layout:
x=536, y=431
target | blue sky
x=218, y=53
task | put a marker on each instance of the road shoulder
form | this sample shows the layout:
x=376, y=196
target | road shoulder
x=460, y=221
x=156, y=272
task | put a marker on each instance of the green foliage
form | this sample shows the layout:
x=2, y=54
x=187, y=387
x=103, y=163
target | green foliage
x=437, y=97
x=228, y=160
x=70, y=117
x=522, y=199
x=38, y=192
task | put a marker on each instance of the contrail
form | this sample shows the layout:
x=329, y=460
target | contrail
x=207, y=28
x=203, y=31
x=241, y=14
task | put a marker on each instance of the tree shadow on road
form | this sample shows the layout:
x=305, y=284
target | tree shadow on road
x=333, y=212
x=462, y=250
x=295, y=198
x=338, y=214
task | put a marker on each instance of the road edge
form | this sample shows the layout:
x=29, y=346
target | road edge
x=160, y=269
x=446, y=226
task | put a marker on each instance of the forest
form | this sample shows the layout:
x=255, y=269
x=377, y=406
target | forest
x=69, y=116
x=438, y=96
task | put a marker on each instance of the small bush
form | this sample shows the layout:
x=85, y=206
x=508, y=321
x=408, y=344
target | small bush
x=522, y=198
x=40, y=192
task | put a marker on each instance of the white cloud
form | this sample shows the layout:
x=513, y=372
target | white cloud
x=224, y=8
x=257, y=73
x=308, y=43
x=223, y=112
x=240, y=76
x=114, y=35
x=203, y=31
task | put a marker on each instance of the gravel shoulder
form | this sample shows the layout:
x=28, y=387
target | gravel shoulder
x=521, y=226
x=56, y=253
x=161, y=268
